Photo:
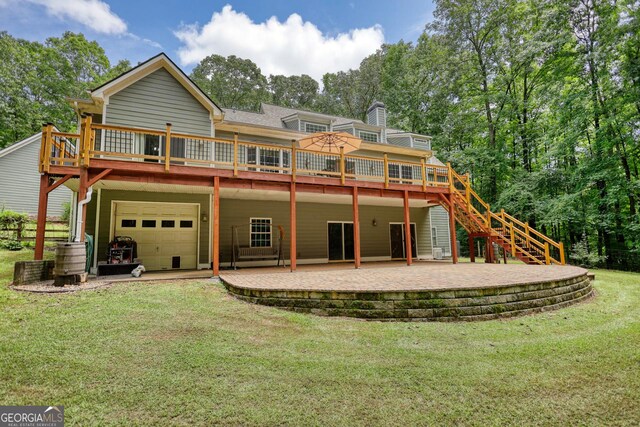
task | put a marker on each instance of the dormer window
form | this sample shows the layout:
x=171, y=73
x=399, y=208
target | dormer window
x=314, y=128
x=368, y=136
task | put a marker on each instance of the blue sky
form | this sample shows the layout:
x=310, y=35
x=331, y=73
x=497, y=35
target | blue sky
x=282, y=37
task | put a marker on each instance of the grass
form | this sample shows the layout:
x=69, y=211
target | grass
x=186, y=353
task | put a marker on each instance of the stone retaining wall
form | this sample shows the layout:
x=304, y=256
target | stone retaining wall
x=25, y=272
x=441, y=305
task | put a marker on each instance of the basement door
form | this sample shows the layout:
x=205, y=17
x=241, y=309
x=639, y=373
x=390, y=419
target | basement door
x=166, y=233
x=340, y=241
x=396, y=235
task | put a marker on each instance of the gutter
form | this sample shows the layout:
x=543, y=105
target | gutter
x=79, y=215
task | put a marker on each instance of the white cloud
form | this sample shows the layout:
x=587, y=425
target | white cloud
x=291, y=47
x=94, y=14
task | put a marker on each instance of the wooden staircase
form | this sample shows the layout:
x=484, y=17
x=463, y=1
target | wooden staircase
x=516, y=237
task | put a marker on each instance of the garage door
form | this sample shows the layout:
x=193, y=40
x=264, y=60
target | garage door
x=166, y=233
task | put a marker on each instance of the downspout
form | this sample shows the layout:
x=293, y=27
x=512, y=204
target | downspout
x=79, y=215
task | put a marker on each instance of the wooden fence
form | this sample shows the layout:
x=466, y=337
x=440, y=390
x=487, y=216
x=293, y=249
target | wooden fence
x=56, y=231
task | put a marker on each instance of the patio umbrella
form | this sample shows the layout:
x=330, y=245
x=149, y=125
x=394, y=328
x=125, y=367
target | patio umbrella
x=330, y=142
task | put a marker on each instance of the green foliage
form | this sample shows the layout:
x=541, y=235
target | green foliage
x=11, y=245
x=10, y=219
x=581, y=255
x=66, y=211
x=294, y=91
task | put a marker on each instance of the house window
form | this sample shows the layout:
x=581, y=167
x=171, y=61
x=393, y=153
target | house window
x=422, y=143
x=260, y=232
x=368, y=136
x=434, y=237
x=314, y=127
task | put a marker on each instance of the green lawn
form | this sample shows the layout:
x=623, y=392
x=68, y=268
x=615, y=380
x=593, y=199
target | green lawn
x=186, y=353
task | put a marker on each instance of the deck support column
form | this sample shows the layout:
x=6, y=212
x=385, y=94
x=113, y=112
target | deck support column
x=407, y=229
x=452, y=231
x=292, y=218
x=43, y=200
x=472, y=249
x=215, y=224
x=356, y=228
x=82, y=194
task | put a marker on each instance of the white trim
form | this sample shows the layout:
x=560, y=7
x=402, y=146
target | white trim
x=319, y=125
x=360, y=132
x=96, y=229
x=16, y=146
x=404, y=246
x=251, y=219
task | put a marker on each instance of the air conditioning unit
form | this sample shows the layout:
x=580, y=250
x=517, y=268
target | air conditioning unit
x=437, y=253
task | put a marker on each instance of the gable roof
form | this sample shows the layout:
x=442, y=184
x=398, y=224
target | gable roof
x=273, y=116
x=20, y=144
x=147, y=67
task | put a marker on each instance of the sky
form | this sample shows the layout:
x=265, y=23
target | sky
x=283, y=37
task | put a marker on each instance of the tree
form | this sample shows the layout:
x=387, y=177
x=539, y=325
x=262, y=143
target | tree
x=232, y=82
x=293, y=91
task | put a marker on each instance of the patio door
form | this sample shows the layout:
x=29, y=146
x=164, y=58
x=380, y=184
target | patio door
x=154, y=146
x=398, y=247
x=340, y=241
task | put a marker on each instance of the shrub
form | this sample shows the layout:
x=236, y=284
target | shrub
x=66, y=211
x=583, y=257
x=10, y=219
x=12, y=245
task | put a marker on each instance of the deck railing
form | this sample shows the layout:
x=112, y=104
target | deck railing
x=171, y=148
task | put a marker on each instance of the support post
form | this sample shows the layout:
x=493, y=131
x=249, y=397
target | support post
x=452, y=231
x=407, y=229
x=386, y=171
x=82, y=194
x=547, y=257
x=294, y=166
x=47, y=147
x=513, y=240
x=342, y=168
x=215, y=223
x=43, y=199
x=235, y=154
x=292, y=219
x=356, y=228
x=424, y=174
x=561, y=248
x=472, y=249
x=167, y=147
x=85, y=134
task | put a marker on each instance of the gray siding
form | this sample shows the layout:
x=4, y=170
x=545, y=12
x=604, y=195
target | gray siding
x=422, y=144
x=107, y=196
x=20, y=182
x=292, y=124
x=377, y=117
x=404, y=141
x=155, y=100
x=440, y=221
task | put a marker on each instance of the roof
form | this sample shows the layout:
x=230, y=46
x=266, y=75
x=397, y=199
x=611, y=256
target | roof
x=18, y=145
x=147, y=67
x=272, y=116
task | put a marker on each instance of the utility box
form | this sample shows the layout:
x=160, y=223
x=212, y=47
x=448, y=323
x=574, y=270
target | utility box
x=437, y=253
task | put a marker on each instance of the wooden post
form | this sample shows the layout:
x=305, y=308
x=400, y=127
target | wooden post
x=452, y=231
x=547, y=258
x=513, y=240
x=342, y=168
x=85, y=142
x=47, y=147
x=424, y=174
x=450, y=176
x=472, y=249
x=407, y=229
x=356, y=228
x=167, y=147
x=41, y=224
x=386, y=171
x=561, y=248
x=215, y=223
x=294, y=166
x=488, y=219
x=292, y=219
x=82, y=194
x=235, y=154
x=43, y=144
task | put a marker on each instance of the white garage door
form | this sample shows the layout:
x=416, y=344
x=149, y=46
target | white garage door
x=166, y=233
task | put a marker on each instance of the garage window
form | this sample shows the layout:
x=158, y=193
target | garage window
x=148, y=223
x=186, y=224
x=168, y=223
x=128, y=223
x=260, y=234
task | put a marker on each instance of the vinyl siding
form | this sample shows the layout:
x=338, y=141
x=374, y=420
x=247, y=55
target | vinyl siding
x=155, y=100
x=20, y=182
x=377, y=117
x=404, y=141
x=292, y=124
x=312, y=226
x=107, y=196
x=422, y=144
x=440, y=220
